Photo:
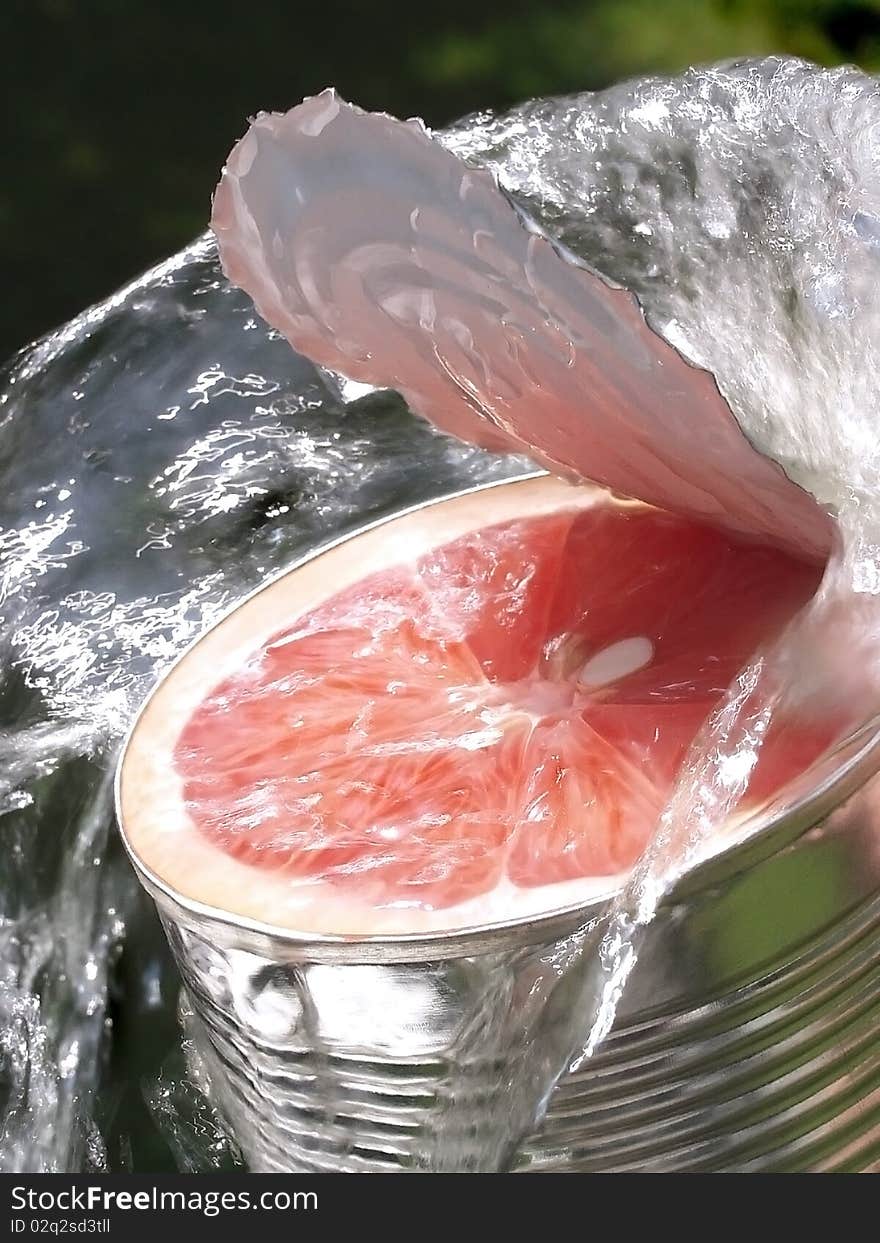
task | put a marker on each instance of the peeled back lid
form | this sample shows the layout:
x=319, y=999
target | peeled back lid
x=383, y=256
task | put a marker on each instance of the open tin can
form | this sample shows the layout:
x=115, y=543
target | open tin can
x=745, y=1041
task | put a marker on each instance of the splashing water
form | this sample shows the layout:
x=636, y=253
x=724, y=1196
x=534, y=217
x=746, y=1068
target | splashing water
x=161, y=455
x=737, y=210
x=714, y=779
x=165, y=452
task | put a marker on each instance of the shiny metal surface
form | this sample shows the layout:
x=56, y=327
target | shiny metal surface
x=745, y=1040
x=735, y=1052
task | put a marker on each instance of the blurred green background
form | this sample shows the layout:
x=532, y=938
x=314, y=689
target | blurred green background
x=120, y=112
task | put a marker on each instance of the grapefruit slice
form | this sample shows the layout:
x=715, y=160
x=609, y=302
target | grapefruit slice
x=470, y=712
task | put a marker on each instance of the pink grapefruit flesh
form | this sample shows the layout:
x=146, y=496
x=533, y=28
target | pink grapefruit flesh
x=492, y=700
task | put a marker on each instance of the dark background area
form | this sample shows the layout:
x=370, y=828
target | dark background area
x=119, y=113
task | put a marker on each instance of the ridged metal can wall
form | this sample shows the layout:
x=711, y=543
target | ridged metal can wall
x=746, y=1042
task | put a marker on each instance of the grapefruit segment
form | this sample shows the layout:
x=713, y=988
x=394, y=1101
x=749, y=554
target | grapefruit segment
x=312, y=697
x=495, y=588
x=583, y=808
x=653, y=737
x=420, y=821
x=703, y=600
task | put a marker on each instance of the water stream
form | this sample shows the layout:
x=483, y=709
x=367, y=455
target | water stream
x=165, y=451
